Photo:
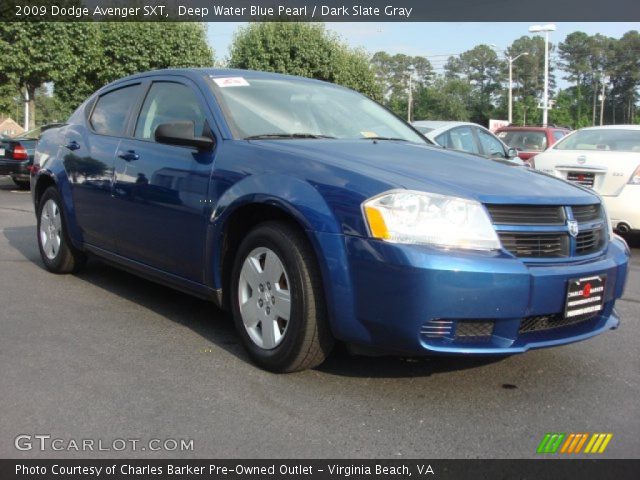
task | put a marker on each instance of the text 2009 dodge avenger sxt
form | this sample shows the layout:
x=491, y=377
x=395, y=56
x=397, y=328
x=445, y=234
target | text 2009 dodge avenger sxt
x=315, y=215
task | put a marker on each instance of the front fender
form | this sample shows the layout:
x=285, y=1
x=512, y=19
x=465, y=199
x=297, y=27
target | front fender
x=301, y=201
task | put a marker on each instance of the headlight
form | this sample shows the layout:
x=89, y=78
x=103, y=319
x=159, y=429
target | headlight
x=407, y=216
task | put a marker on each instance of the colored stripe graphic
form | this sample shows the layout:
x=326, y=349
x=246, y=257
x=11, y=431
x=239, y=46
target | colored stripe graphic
x=598, y=443
x=551, y=442
x=572, y=443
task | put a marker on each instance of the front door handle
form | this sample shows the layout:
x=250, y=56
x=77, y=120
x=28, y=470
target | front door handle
x=72, y=145
x=129, y=155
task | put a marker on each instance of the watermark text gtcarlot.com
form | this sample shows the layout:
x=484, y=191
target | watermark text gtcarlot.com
x=47, y=443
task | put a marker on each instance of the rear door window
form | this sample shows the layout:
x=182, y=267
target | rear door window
x=110, y=115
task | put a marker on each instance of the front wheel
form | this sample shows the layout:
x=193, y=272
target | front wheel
x=56, y=250
x=277, y=300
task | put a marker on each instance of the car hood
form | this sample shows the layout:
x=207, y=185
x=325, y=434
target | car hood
x=433, y=169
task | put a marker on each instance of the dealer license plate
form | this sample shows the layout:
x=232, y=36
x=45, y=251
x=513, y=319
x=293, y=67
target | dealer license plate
x=585, y=297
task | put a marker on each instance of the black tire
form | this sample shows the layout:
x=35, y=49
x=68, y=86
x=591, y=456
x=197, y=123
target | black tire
x=307, y=340
x=22, y=184
x=67, y=258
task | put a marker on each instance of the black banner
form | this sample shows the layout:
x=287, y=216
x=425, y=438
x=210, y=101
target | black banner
x=585, y=469
x=321, y=11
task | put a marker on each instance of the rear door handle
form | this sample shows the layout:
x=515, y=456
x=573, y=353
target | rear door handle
x=72, y=145
x=129, y=155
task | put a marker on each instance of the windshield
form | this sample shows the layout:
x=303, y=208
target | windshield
x=290, y=108
x=423, y=129
x=529, y=141
x=605, y=139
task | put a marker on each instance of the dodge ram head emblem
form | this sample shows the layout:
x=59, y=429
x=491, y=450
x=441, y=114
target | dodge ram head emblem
x=573, y=228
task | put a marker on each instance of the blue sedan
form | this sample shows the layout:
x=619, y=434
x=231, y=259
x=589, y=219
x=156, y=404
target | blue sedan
x=314, y=215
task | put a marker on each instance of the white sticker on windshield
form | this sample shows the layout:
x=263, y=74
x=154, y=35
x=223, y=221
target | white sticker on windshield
x=231, y=82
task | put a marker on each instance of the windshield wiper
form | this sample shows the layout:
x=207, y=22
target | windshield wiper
x=384, y=138
x=285, y=135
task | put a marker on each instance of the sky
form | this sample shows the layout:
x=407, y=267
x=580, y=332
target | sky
x=436, y=41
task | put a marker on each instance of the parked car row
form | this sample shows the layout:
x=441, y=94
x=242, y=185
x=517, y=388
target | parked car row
x=16, y=154
x=314, y=215
x=606, y=160
x=467, y=137
x=531, y=140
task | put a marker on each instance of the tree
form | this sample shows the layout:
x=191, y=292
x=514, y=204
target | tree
x=446, y=99
x=392, y=72
x=33, y=53
x=304, y=49
x=624, y=72
x=482, y=69
x=529, y=74
x=574, y=53
x=112, y=50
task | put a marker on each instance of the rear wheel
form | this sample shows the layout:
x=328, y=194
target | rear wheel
x=56, y=250
x=277, y=300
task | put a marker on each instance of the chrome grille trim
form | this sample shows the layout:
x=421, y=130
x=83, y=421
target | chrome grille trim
x=526, y=215
x=535, y=245
x=530, y=231
x=437, y=328
x=587, y=213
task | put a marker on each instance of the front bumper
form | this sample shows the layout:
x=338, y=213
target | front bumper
x=623, y=208
x=403, y=294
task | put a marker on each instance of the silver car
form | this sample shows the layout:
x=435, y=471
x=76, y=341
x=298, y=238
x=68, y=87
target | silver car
x=467, y=137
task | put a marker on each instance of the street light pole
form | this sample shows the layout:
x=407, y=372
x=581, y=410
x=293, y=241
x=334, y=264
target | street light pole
x=410, y=100
x=410, y=71
x=511, y=60
x=546, y=29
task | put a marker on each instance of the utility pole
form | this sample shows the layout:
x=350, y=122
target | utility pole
x=26, y=108
x=409, y=105
x=602, y=102
x=545, y=99
x=511, y=60
x=410, y=100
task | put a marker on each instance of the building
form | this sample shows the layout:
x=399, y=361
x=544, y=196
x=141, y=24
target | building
x=9, y=127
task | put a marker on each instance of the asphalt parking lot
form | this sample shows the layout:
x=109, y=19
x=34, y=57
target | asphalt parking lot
x=106, y=355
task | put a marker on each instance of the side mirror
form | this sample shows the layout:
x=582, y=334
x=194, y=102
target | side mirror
x=181, y=133
x=512, y=153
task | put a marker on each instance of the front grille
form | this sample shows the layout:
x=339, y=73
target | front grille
x=582, y=178
x=474, y=331
x=589, y=241
x=550, y=322
x=532, y=238
x=535, y=245
x=526, y=215
x=587, y=213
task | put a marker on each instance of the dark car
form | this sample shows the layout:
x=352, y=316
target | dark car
x=313, y=214
x=16, y=154
x=531, y=140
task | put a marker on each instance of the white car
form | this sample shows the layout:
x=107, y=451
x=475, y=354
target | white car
x=467, y=137
x=607, y=160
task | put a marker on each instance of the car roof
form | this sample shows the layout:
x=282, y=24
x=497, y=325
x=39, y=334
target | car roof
x=215, y=72
x=613, y=127
x=530, y=128
x=437, y=124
